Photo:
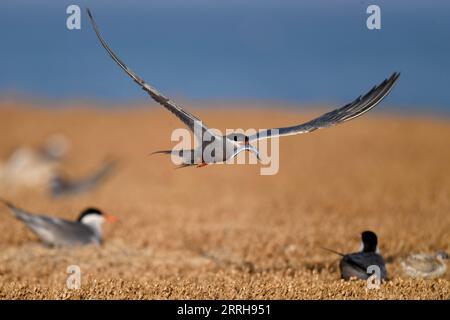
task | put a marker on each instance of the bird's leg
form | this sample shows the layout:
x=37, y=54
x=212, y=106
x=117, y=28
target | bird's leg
x=203, y=164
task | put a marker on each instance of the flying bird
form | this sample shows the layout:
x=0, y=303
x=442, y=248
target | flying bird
x=425, y=266
x=57, y=232
x=356, y=264
x=223, y=148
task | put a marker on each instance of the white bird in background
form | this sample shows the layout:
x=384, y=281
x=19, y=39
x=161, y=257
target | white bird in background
x=425, y=265
x=233, y=144
x=28, y=167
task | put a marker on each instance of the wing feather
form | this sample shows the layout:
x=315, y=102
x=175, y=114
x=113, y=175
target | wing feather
x=352, y=110
x=187, y=118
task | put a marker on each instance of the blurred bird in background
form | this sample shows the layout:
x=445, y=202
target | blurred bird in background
x=27, y=167
x=41, y=167
x=425, y=266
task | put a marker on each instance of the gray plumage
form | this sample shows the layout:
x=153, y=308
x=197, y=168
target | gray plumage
x=356, y=264
x=229, y=148
x=352, y=110
x=56, y=231
x=187, y=118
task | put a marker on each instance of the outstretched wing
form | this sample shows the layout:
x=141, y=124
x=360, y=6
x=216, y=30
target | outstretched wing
x=187, y=118
x=354, y=109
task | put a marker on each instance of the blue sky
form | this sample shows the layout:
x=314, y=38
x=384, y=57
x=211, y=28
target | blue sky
x=296, y=52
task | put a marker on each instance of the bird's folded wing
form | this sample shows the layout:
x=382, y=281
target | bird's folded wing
x=356, y=262
x=18, y=212
x=356, y=108
x=40, y=224
x=187, y=118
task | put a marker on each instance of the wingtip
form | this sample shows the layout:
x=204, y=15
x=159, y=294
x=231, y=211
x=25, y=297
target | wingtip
x=332, y=251
x=110, y=161
x=394, y=78
x=91, y=17
x=6, y=203
x=160, y=152
x=181, y=166
x=395, y=75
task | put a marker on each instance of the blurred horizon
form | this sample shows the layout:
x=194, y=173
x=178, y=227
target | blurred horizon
x=291, y=52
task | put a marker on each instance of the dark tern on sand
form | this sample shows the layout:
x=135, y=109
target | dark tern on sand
x=231, y=145
x=356, y=264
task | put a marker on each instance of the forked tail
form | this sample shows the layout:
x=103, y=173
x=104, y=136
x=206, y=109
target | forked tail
x=161, y=152
x=187, y=156
x=184, y=165
x=333, y=251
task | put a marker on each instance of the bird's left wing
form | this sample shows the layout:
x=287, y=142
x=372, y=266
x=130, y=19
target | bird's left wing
x=354, y=109
x=17, y=212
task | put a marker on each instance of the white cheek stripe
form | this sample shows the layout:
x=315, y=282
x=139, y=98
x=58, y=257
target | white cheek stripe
x=361, y=248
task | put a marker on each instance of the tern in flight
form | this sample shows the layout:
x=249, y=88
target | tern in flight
x=231, y=145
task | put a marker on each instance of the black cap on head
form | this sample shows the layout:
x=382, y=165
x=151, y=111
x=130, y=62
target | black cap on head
x=89, y=211
x=370, y=241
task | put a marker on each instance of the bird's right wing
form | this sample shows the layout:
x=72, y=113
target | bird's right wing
x=187, y=118
x=355, y=262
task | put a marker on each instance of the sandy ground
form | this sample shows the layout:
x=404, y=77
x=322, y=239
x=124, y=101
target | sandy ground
x=226, y=231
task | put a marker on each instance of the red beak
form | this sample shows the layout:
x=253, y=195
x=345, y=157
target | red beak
x=110, y=218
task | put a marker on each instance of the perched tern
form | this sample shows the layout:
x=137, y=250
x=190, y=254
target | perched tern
x=57, y=232
x=231, y=145
x=357, y=264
